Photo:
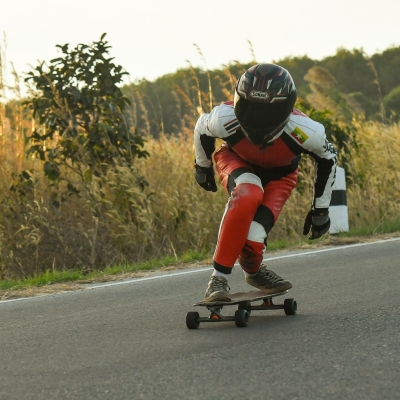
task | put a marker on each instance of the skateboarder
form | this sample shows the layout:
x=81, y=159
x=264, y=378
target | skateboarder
x=264, y=138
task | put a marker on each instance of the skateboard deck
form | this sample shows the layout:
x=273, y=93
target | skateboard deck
x=243, y=301
x=240, y=297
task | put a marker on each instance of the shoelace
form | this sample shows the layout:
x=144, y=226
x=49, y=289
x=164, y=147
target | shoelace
x=219, y=283
x=270, y=275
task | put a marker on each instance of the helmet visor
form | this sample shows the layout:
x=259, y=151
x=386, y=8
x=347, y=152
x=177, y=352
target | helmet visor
x=260, y=115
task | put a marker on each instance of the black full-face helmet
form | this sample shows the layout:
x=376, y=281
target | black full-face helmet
x=264, y=99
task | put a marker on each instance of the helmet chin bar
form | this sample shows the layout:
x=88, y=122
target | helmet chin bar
x=264, y=136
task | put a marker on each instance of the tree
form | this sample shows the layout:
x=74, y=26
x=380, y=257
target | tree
x=298, y=68
x=392, y=100
x=79, y=109
x=387, y=65
x=351, y=71
x=325, y=94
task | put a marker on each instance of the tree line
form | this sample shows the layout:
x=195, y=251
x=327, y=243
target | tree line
x=348, y=83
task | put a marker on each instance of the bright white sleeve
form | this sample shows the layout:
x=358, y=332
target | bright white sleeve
x=325, y=157
x=310, y=135
x=207, y=129
x=221, y=123
x=204, y=145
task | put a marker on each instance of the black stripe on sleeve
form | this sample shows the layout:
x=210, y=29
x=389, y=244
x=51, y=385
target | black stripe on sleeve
x=235, y=138
x=324, y=170
x=208, y=144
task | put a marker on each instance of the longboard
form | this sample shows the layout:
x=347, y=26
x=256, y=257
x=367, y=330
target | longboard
x=243, y=300
x=240, y=297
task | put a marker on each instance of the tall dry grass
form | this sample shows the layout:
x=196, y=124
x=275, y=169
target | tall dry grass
x=113, y=221
x=373, y=190
x=117, y=222
x=191, y=215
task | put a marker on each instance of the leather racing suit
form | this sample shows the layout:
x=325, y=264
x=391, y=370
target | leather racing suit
x=259, y=179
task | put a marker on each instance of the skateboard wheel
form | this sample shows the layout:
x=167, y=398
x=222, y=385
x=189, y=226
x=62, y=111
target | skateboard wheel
x=241, y=318
x=245, y=306
x=290, y=306
x=192, y=320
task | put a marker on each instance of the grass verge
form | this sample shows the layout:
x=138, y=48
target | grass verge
x=110, y=273
x=56, y=281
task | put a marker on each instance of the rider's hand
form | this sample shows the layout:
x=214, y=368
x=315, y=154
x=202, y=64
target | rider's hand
x=318, y=220
x=205, y=177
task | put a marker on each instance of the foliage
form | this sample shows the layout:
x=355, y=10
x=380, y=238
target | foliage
x=113, y=216
x=392, y=100
x=172, y=216
x=79, y=109
x=336, y=131
x=326, y=95
x=387, y=65
x=351, y=71
x=366, y=78
x=298, y=68
x=173, y=101
x=87, y=150
x=342, y=135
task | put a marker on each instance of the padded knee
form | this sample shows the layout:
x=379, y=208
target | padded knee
x=245, y=200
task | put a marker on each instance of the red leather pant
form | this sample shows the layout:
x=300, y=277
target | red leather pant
x=240, y=238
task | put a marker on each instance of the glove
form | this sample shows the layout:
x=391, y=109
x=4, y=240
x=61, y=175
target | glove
x=205, y=177
x=318, y=220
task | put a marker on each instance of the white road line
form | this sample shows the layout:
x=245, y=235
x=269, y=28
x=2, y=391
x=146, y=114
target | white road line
x=347, y=246
x=150, y=278
x=304, y=253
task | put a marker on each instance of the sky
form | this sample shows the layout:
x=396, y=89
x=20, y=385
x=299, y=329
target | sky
x=152, y=38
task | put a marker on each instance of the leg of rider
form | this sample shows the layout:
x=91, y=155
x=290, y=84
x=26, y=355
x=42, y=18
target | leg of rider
x=251, y=255
x=276, y=194
x=239, y=213
x=246, y=194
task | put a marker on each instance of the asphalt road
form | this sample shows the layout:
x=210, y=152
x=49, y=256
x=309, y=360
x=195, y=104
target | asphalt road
x=130, y=341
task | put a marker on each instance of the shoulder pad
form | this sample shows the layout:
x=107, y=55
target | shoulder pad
x=222, y=121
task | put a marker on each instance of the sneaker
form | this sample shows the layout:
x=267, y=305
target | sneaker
x=268, y=281
x=217, y=289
